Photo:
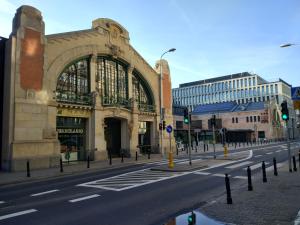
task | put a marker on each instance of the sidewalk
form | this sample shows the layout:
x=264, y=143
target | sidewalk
x=72, y=168
x=274, y=202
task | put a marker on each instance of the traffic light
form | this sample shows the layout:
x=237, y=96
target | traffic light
x=192, y=219
x=164, y=125
x=186, y=118
x=160, y=126
x=213, y=120
x=284, y=111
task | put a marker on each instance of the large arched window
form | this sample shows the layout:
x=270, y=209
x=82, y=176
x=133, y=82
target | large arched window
x=141, y=93
x=73, y=83
x=112, y=81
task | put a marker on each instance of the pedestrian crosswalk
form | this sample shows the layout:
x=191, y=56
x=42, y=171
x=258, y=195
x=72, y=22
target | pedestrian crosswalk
x=131, y=180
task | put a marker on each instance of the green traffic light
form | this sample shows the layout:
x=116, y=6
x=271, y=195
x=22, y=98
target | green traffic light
x=284, y=117
x=186, y=120
x=190, y=219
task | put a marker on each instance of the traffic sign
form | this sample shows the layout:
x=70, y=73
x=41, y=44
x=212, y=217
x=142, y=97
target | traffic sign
x=295, y=93
x=169, y=128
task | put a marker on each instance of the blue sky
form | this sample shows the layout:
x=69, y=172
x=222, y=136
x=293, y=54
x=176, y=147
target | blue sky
x=212, y=37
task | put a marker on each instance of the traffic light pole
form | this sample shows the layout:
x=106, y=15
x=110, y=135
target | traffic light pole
x=189, y=134
x=288, y=145
x=214, y=140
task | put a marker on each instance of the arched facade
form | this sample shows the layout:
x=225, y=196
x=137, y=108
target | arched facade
x=90, y=93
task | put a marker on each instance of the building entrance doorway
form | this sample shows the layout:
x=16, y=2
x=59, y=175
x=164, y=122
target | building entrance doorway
x=113, y=136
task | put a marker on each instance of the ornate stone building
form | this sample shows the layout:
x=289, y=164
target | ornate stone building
x=68, y=93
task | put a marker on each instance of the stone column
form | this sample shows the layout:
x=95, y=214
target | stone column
x=100, y=143
x=133, y=129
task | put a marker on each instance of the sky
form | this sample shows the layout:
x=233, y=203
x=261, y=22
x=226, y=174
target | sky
x=212, y=37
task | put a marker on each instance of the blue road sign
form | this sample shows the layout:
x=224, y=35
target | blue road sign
x=295, y=93
x=169, y=128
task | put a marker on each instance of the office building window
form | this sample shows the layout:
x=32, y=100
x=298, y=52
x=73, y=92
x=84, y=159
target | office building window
x=251, y=119
x=254, y=118
x=232, y=119
x=236, y=120
x=258, y=118
x=247, y=119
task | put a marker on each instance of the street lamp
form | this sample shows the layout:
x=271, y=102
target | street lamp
x=287, y=45
x=285, y=118
x=161, y=99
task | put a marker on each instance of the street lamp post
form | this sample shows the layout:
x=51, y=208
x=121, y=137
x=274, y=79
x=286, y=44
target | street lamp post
x=161, y=99
x=286, y=122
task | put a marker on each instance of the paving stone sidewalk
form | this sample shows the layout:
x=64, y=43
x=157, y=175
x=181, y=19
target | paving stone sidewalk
x=274, y=202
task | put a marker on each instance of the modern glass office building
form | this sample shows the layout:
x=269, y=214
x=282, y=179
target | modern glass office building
x=241, y=88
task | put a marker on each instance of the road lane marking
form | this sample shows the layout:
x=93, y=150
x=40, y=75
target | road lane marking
x=239, y=165
x=202, y=173
x=2, y=202
x=44, y=193
x=257, y=156
x=219, y=175
x=17, y=214
x=255, y=166
x=240, y=177
x=269, y=153
x=84, y=198
x=278, y=150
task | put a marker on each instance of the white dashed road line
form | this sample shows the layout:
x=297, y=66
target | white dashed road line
x=240, y=177
x=17, y=214
x=269, y=153
x=84, y=198
x=44, y=193
x=2, y=202
x=202, y=173
x=258, y=165
x=278, y=150
x=257, y=156
x=239, y=165
x=219, y=175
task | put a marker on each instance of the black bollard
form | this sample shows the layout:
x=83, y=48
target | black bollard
x=149, y=154
x=110, y=161
x=235, y=145
x=299, y=158
x=294, y=163
x=136, y=156
x=264, y=172
x=88, y=162
x=228, y=191
x=28, y=168
x=122, y=157
x=275, y=167
x=61, y=165
x=250, y=187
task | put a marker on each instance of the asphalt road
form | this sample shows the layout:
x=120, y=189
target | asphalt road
x=128, y=196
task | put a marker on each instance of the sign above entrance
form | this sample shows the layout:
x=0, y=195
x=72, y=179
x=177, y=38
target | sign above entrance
x=73, y=112
x=169, y=128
